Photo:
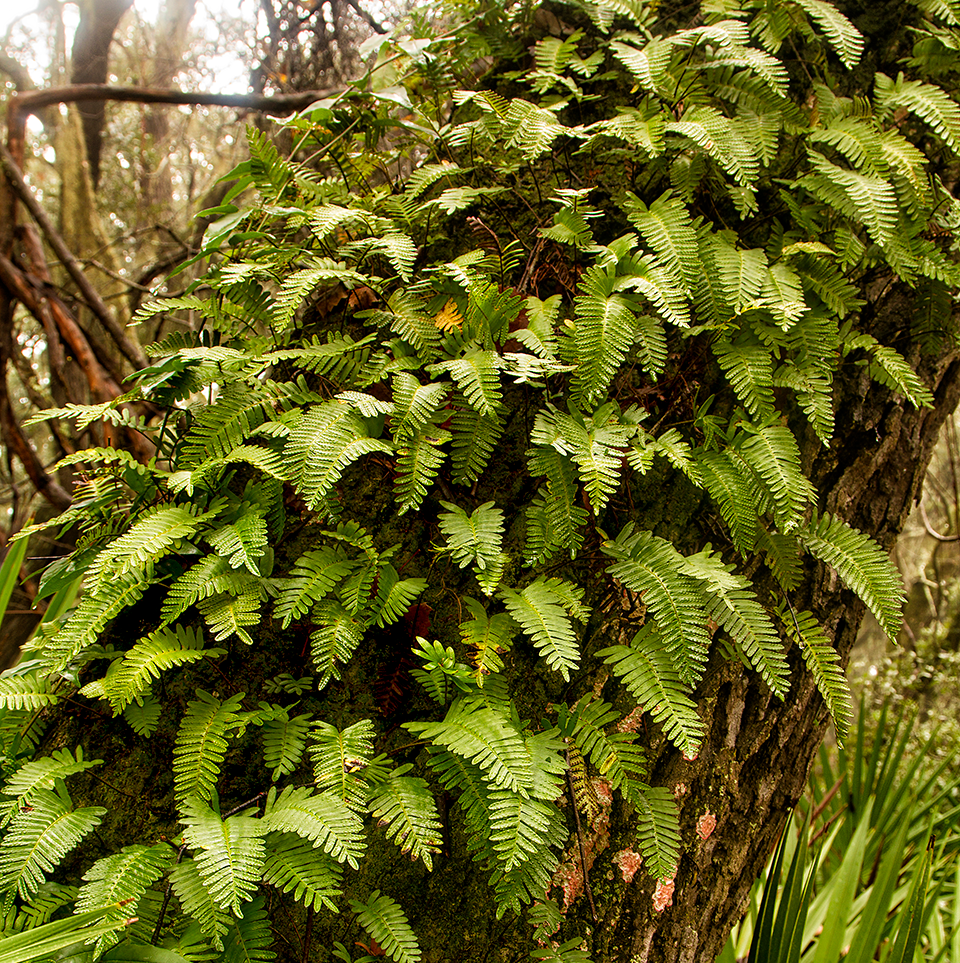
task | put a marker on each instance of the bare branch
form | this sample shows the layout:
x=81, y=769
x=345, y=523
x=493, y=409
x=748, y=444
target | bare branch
x=132, y=351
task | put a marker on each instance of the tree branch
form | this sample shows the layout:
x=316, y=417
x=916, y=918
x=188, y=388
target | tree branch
x=132, y=351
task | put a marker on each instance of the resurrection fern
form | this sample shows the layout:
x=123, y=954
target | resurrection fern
x=404, y=806
x=386, y=923
x=503, y=342
x=201, y=745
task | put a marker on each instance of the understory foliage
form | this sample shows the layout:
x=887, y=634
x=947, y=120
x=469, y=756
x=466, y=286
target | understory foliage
x=404, y=441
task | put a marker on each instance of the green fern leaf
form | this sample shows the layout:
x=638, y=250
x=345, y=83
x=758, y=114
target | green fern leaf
x=143, y=714
x=395, y=595
x=563, y=519
x=229, y=853
x=248, y=938
x=929, y=102
x=39, y=837
x=772, y=454
x=129, y=677
x=474, y=438
x=313, y=575
x=32, y=691
x=605, y=330
x=615, y=756
x=666, y=226
x=862, y=564
x=386, y=923
x=890, y=369
x=284, y=739
x=749, y=369
x=824, y=663
x=201, y=745
x=476, y=540
x=418, y=461
x=734, y=607
x=477, y=374
x=229, y=613
x=479, y=733
x=328, y=438
x=404, y=806
x=648, y=672
x=335, y=641
x=243, y=542
x=541, y=611
x=198, y=902
x=654, y=569
x=323, y=819
x=339, y=758
x=658, y=832
x=733, y=495
x=487, y=637
x=40, y=774
x=846, y=40
x=122, y=878
x=296, y=866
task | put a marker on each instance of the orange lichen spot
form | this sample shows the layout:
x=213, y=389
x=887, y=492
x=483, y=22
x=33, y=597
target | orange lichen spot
x=706, y=825
x=628, y=862
x=663, y=895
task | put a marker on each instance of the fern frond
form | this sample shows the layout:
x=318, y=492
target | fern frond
x=772, y=454
x=284, y=740
x=38, y=837
x=477, y=374
x=475, y=436
x=395, y=595
x=891, y=370
x=653, y=568
x=121, y=878
x=658, y=832
x=930, y=103
x=563, y=514
x=143, y=715
x=615, y=755
x=482, y=735
x=249, y=937
x=734, y=607
x=201, y=745
x=91, y=616
x=487, y=636
x=229, y=612
x=323, y=819
x=605, y=330
x=824, y=663
x=386, y=923
x=749, y=369
x=39, y=774
x=405, y=808
x=667, y=228
x=476, y=540
x=418, y=460
x=242, y=542
x=870, y=200
x=648, y=672
x=198, y=902
x=328, y=438
x=541, y=610
x=844, y=37
x=296, y=866
x=313, y=575
x=130, y=676
x=229, y=853
x=31, y=691
x=336, y=639
x=862, y=564
x=339, y=757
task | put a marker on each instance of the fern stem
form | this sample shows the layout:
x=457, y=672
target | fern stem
x=244, y=805
x=166, y=901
